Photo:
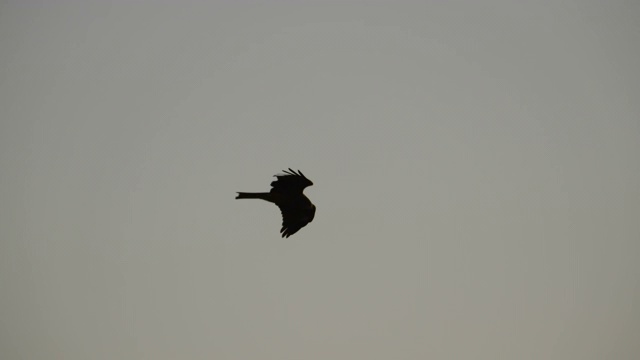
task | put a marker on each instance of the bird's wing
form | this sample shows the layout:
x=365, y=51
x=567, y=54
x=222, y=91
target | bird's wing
x=295, y=219
x=290, y=182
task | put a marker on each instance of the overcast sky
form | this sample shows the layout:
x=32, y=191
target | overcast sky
x=476, y=169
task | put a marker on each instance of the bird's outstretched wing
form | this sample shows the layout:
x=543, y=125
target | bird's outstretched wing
x=295, y=219
x=290, y=182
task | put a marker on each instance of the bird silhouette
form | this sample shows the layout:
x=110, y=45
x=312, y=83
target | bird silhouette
x=286, y=192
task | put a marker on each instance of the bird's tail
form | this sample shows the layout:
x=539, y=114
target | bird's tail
x=263, y=196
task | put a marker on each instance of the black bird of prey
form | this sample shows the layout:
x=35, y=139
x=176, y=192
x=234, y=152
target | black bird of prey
x=286, y=192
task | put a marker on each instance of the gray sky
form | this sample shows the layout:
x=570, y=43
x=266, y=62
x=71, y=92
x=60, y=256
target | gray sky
x=475, y=166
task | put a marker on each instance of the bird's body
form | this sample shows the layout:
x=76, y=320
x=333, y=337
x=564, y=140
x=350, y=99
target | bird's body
x=286, y=192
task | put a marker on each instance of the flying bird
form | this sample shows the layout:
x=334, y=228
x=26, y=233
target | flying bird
x=286, y=192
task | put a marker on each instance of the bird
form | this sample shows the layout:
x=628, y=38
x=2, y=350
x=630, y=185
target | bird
x=286, y=192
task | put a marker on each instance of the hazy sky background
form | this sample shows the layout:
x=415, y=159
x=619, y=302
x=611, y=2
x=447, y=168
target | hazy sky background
x=476, y=170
